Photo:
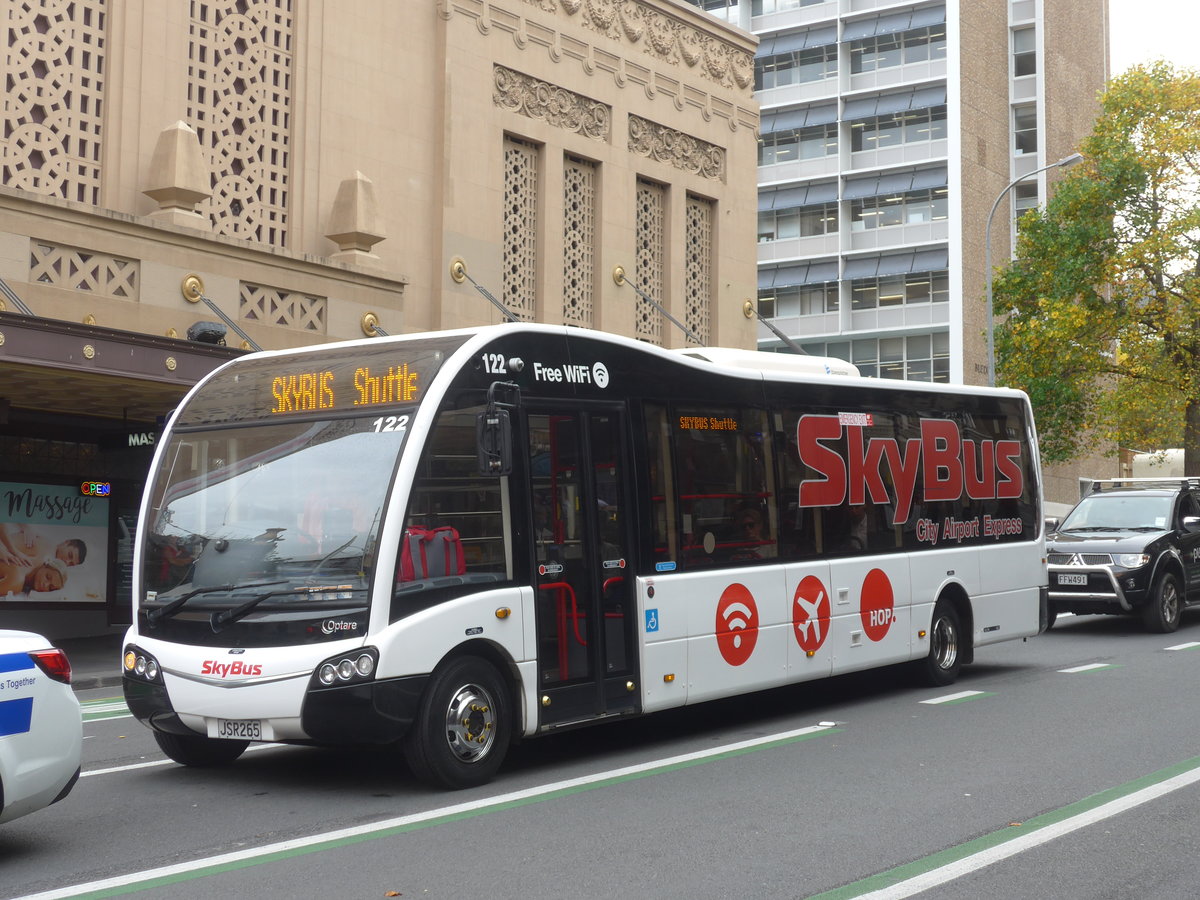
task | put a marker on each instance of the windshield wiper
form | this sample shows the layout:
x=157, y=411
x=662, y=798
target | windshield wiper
x=336, y=550
x=219, y=620
x=165, y=612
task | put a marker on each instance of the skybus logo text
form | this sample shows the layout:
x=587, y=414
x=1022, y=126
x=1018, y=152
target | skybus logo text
x=948, y=465
x=226, y=670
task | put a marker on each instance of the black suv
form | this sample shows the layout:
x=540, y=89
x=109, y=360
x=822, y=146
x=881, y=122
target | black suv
x=1130, y=547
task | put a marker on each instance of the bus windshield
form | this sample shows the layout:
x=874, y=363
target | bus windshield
x=284, y=512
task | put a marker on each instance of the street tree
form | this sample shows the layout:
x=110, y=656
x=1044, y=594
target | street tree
x=1100, y=309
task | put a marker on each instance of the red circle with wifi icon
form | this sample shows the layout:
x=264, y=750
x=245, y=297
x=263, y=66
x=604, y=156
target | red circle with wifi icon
x=737, y=624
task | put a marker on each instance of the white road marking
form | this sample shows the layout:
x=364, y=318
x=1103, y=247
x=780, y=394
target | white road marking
x=949, y=698
x=159, y=762
x=1029, y=841
x=341, y=834
x=1188, y=646
x=1089, y=667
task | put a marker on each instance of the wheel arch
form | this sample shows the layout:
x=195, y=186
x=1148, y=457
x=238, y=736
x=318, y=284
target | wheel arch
x=1170, y=562
x=504, y=664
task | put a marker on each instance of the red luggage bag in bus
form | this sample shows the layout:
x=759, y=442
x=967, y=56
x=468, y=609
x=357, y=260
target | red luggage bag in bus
x=431, y=552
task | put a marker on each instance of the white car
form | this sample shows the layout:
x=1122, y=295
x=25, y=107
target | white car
x=41, y=730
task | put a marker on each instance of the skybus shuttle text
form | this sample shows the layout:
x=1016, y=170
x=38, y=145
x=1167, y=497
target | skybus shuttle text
x=451, y=541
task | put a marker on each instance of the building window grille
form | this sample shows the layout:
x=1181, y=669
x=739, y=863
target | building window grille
x=579, y=241
x=520, y=228
x=239, y=101
x=56, y=71
x=650, y=221
x=697, y=274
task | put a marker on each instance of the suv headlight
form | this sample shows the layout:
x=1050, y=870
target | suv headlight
x=1131, y=560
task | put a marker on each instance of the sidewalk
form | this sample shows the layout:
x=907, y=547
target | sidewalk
x=95, y=661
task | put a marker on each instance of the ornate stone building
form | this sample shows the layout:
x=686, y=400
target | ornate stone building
x=319, y=171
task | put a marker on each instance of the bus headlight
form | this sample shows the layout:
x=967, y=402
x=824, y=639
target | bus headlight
x=141, y=666
x=354, y=667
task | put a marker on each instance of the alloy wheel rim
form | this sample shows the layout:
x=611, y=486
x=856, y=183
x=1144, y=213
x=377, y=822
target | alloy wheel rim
x=471, y=723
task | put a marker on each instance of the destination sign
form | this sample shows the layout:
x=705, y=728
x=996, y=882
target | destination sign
x=334, y=380
x=309, y=391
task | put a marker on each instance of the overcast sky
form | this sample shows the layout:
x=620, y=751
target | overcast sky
x=1144, y=30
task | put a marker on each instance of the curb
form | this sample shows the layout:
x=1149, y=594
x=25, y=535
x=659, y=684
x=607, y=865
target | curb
x=87, y=682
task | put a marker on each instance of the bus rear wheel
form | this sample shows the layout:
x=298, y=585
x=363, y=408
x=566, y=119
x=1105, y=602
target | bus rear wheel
x=943, y=663
x=463, y=725
x=196, y=750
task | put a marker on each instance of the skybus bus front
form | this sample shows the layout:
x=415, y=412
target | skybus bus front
x=257, y=551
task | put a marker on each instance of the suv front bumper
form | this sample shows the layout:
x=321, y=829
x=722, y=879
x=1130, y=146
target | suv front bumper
x=1103, y=591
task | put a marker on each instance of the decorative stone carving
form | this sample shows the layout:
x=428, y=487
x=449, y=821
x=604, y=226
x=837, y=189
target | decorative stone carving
x=179, y=178
x=668, y=38
x=559, y=107
x=354, y=221
x=675, y=148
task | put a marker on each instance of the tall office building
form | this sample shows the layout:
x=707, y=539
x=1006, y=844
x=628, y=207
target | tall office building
x=889, y=129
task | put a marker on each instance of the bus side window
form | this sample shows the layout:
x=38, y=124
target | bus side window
x=725, y=484
x=455, y=513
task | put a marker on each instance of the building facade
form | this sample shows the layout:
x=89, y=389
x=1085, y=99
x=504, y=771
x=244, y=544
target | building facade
x=300, y=171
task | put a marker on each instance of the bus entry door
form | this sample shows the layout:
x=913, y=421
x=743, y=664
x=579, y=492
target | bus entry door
x=586, y=661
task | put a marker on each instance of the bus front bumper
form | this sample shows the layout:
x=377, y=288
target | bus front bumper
x=373, y=712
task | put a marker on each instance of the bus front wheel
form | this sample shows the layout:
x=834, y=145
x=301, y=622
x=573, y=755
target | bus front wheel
x=195, y=750
x=463, y=725
x=944, y=660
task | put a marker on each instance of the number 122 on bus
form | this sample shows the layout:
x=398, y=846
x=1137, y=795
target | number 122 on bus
x=486, y=554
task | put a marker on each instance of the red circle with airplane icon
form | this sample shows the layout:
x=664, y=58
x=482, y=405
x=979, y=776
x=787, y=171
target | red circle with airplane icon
x=810, y=614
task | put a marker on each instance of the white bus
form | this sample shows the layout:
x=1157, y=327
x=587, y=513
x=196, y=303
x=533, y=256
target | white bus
x=451, y=541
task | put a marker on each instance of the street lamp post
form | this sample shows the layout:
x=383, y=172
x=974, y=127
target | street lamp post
x=987, y=242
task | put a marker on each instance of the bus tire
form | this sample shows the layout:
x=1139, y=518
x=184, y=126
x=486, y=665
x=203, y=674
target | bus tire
x=463, y=725
x=199, y=751
x=1162, y=614
x=943, y=663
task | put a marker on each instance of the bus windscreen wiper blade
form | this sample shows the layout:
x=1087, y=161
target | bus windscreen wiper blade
x=228, y=616
x=165, y=612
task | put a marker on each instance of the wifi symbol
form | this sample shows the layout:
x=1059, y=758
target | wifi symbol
x=737, y=624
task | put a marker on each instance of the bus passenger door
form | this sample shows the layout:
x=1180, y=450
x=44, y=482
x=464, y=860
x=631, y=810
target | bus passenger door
x=585, y=608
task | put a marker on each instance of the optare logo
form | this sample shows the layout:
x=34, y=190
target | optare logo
x=334, y=626
x=229, y=670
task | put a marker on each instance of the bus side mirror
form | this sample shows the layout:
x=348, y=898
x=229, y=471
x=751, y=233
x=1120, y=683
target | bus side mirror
x=493, y=442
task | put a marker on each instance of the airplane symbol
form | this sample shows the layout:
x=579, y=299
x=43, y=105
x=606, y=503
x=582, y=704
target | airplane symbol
x=811, y=611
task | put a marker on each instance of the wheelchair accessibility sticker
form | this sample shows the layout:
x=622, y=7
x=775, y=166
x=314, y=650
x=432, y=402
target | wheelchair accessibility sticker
x=651, y=620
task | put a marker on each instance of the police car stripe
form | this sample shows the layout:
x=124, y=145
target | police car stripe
x=15, y=716
x=15, y=662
